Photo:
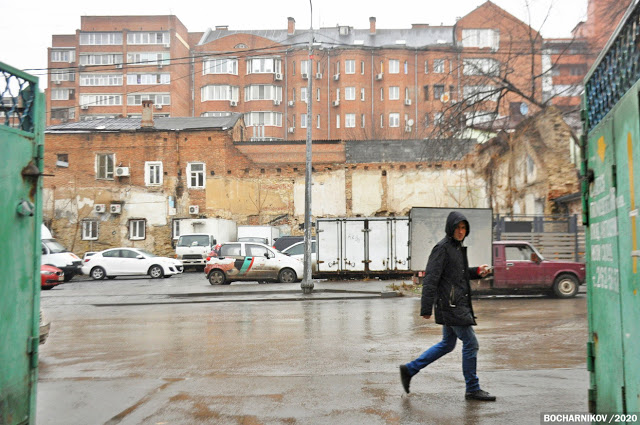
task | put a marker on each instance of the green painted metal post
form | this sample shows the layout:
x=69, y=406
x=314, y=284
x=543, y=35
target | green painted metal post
x=21, y=166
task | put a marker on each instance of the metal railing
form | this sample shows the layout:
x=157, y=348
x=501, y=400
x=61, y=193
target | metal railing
x=18, y=91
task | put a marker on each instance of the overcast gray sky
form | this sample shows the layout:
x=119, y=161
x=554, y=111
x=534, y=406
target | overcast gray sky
x=27, y=27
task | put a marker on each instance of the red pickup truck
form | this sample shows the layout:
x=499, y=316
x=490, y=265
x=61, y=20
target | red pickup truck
x=518, y=268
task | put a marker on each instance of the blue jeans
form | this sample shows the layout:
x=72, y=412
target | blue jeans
x=469, y=353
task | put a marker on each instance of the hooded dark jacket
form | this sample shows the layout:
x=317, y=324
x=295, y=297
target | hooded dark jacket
x=446, y=283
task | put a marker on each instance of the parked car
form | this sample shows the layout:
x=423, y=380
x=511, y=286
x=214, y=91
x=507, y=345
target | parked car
x=251, y=261
x=50, y=276
x=130, y=262
x=284, y=241
x=86, y=256
x=297, y=251
x=45, y=327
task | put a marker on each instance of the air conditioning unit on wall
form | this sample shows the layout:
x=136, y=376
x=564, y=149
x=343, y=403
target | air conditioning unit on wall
x=194, y=209
x=115, y=209
x=100, y=208
x=122, y=171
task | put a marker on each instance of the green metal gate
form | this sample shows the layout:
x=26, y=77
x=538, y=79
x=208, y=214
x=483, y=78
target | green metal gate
x=610, y=200
x=21, y=144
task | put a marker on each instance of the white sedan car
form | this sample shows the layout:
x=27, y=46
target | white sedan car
x=129, y=262
x=297, y=251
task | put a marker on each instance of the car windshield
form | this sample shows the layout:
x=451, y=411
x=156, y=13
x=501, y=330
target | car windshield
x=54, y=246
x=147, y=253
x=194, y=240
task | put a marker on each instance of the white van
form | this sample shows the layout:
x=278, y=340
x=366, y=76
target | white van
x=54, y=254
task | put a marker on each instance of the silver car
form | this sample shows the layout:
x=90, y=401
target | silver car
x=129, y=262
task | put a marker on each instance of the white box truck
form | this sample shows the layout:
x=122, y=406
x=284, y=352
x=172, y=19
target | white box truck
x=262, y=234
x=198, y=237
x=56, y=255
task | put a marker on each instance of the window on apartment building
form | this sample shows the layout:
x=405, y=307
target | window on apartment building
x=100, y=38
x=337, y=121
x=101, y=59
x=438, y=66
x=303, y=94
x=63, y=56
x=159, y=59
x=293, y=120
x=293, y=94
x=481, y=38
x=156, y=98
x=381, y=120
x=425, y=90
x=148, y=79
x=318, y=121
x=425, y=120
x=303, y=120
x=362, y=67
x=318, y=95
x=480, y=66
x=175, y=229
x=293, y=67
x=137, y=229
x=101, y=79
x=269, y=119
x=216, y=114
x=350, y=120
x=394, y=66
x=262, y=92
x=406, y=67
x=350, y=66
x=362, y=119
x=394, y=119
x=219, y=92
x=104, y=166
x=264, y=66
x=362, y=94
x=406, y=93
x=62, y=160
x=195, y=175
x=61, y=94
x=426, y=67
x=337, y=94
x=349, y=93
x=220, y=66
x=148, y=38
x=62, y=75
x=89, y=230
x=394, y=93
x=338, y=68
x=153, y=173
x=437, y=118
x=475, y=94
x=304, y=67
x=63, y=114
x=438, y=91
x=381, y=93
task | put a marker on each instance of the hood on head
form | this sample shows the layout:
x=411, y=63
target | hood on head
x=453, y=219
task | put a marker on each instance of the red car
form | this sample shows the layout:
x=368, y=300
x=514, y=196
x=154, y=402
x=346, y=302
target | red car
x=50, y=276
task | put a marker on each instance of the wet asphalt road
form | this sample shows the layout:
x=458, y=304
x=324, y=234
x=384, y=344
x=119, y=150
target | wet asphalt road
x=179, y=351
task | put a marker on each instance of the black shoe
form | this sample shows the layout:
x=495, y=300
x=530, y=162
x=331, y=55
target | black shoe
x=480, y=395
x=405, y=377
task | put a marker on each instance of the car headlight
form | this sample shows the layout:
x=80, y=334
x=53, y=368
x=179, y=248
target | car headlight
x=47, y=272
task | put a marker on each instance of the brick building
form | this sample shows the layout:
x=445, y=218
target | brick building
x=127, y=182
x=367, y=83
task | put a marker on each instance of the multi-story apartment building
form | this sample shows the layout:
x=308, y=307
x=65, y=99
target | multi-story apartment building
x=426, y=81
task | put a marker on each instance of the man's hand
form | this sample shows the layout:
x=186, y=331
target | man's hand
x=427, y=317
x=484, y=270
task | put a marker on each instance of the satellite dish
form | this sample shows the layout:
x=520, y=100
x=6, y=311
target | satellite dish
x=524, y=108
x=410, y=122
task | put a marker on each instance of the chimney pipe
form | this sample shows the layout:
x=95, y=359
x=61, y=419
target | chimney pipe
x=291, y=28
x=147, y=114
x=372, y=25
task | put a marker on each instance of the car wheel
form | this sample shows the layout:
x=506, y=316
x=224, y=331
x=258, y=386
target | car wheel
x=217, y=277
x=98, y=273
x=287, y=276
x=156, y=272
x=565, y=286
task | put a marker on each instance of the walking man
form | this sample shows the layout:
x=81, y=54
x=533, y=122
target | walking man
x=446, y=287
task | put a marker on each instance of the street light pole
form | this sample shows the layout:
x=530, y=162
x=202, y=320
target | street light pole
x=307, y=281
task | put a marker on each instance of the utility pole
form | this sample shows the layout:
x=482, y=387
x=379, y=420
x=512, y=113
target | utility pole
x=307, y=281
